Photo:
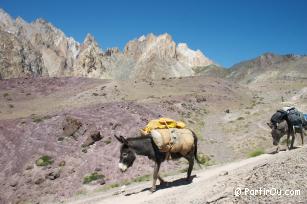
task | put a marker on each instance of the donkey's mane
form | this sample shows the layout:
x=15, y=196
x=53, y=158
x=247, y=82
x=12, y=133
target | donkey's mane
x=139, y=138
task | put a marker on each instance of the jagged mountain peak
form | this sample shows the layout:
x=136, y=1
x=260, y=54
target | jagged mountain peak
x=149, y=56
x=89, y=40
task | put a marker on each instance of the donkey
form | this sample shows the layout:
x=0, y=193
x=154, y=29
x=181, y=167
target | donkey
x=282, y=128
x=145, y=146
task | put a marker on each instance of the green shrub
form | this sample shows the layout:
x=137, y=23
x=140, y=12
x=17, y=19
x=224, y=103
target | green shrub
x=44, y=161
x=5, y=94
x=256, y=152
x=38, y=118
x=203, y=159
x=142, y=178
x=92, y=177
x=114, y=185
x=107, y=141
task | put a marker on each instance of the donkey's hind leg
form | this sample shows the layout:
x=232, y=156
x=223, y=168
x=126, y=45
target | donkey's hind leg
x=293, y=138
x=155, y=176
x=190, y=158
x=302, y=135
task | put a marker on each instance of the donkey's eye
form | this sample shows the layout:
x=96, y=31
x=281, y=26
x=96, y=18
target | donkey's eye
x=125, y=154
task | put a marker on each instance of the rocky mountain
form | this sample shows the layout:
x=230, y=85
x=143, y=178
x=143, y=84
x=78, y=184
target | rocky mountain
x=211, y=70
x=269, y=67
x=41, y=49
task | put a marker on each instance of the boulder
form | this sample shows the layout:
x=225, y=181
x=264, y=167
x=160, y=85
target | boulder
x=70, y=126
x=53, y=174
x=92, y=136
x=39, y=180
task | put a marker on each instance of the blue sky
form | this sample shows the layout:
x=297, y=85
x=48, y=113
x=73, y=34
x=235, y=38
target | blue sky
x=226, y=31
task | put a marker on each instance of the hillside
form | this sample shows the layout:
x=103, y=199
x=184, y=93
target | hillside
x=270, y=67
x=91, y=111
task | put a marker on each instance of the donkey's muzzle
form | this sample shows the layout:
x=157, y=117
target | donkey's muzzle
x=122, y=167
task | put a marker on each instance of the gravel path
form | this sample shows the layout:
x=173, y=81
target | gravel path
x=281, y=173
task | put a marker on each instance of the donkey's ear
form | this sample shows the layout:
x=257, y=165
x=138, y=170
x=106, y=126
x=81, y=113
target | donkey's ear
x=270, y=125
x=121, y=139
x=124, y=140
x=118, y=138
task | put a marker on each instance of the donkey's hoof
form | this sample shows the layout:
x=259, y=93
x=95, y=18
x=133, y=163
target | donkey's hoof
x=189, y=180
x=152, y=189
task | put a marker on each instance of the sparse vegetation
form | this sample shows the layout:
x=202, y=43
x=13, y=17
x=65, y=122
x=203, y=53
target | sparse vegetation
x=240, y=118
x=44, y=161
x=142, y=178
x=256, y=152
x=81, y=192
x=38, y=118
x=92, y=177
x=204, y=159
x=107, y=141
x=114, y=185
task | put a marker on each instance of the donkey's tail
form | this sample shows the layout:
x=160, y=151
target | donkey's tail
x=195, y=149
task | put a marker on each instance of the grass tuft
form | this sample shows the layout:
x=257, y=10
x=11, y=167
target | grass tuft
x=204, y=159
x=92, y=177
x=256, y=153
x=44, y=161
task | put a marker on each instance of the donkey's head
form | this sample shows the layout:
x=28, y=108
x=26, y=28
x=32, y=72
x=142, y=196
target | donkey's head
x=127, y=155
x=278, y=131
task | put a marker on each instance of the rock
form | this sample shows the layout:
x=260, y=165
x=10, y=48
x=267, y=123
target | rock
x=29, y=180
x=92, y=136
x=71, y=125
x=71, y=171
x=224, y=173
x=39, y=180
x=14, y=183
x=29, y=167
x=97, y=169
x=54, y=174
x=62, y=163
x=102, y=182
x=200, y=99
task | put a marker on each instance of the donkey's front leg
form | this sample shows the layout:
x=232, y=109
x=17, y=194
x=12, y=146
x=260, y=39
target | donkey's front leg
x=302, y=136
x=293, y=139
x=155, y=176
x=288, y=141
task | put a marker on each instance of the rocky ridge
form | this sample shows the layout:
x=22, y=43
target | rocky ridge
x=55, y=54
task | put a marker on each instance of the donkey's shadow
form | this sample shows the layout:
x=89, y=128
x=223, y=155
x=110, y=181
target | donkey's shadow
x=175, y=183
x=283, y=150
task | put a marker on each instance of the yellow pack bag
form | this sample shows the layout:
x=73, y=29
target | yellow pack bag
x=162, y=123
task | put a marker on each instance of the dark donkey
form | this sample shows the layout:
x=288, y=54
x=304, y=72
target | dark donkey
x=145, y=146
x=281, y=125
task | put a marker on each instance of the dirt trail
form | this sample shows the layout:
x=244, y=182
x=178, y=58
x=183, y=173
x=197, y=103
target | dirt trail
x=216, y=184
